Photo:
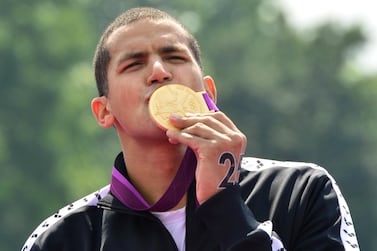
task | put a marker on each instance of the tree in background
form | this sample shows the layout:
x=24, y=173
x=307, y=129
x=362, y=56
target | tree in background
x=297, y=96
x=45, y=50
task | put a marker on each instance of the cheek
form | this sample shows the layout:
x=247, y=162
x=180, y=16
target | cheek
x=194, y=78
x=118, y=101
x=197, y=83
x=128, y=100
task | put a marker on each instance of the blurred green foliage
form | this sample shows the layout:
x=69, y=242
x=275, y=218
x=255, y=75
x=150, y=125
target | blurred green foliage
x=296, y=95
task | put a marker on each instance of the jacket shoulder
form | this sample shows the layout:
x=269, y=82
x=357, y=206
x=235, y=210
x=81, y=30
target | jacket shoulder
x=64, y=215
x=254, y=164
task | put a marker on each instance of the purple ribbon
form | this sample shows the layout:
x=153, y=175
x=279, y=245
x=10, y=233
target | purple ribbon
x=211, y=105
x=129, y=196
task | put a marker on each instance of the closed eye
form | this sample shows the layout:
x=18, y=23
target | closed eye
x=130, y=66
x=133, y=66
x=131, y=61
x=176, y=59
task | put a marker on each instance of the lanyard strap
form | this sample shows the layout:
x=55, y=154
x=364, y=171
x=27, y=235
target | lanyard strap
x=210, y=104
x=129, y=196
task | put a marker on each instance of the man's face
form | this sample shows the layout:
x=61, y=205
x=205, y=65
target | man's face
x=144, y=56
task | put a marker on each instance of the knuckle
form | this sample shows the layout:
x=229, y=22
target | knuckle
x=239, y=138
x=195, y=128
x=199, y=125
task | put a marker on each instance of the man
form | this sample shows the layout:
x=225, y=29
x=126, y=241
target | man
x=179, y=189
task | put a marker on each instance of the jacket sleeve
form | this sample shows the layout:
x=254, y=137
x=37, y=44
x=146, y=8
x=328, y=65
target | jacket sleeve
x=306, y=207
x=325, y=221
x=233, y=225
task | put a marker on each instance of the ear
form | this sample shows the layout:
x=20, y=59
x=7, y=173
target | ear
x=102, y=112
x=209, y=85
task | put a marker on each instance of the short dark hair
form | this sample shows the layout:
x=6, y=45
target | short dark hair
x=102, y=55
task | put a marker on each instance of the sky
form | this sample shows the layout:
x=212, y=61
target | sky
x=307, y=13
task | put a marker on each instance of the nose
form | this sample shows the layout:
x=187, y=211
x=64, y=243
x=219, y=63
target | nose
x=159, y=73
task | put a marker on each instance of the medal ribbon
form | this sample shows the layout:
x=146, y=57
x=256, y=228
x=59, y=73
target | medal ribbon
x=129, y=196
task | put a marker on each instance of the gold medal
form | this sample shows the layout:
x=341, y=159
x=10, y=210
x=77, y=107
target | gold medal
x=175, y=99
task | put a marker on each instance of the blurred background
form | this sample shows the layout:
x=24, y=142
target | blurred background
x=299, y=92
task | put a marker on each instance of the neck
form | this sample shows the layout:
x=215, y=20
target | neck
x=151, y=167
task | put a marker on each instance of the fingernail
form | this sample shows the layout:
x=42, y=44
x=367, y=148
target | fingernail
x=176, y=116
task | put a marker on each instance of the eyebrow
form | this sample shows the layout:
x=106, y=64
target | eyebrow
x=171, y=48
x=140, y=54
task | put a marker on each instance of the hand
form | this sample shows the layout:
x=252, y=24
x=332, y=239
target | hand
x=218, y=146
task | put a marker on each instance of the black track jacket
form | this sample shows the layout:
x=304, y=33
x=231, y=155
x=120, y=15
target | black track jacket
x=301, y=200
